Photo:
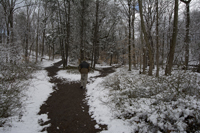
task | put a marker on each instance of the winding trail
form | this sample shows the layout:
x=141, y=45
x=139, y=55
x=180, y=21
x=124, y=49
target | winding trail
x=66, y=107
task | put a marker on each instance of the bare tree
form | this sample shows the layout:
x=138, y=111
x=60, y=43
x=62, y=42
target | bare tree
x=82, y=42
x=129, y=34
x=37, y=33
x=96, y=35
x=187, y=26
x=68, y=23
x=9, y=6
x=44, y=23
x=29, y=10
x=150, y=49
x=133, y=32
x=157, y=40
x=128, y=13
x=173, y=42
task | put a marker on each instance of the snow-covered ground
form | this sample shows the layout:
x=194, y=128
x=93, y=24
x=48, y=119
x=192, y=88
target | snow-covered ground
x=38, y=91
x=73, y=76
x=128, y=102
x=114, y=101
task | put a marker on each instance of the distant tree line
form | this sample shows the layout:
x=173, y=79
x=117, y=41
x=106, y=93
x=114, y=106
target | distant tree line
x=146, y=34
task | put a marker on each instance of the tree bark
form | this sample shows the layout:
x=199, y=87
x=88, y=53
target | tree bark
x=68, y=32
x=111, y=57
x=157, y=41
x=150, y=50
x=163, y=44
x=144, y=61
x=133, y=36
x=27, y=36
x=96, y=35
x=61, y=31
x=187, y=26
x=37, y=37
x=44, y=30
x=173, y=42
x=129, y=35
x=67, y=15
x=82, y=30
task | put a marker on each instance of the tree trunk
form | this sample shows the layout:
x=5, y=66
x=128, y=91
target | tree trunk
x=150, y=49
x=163, y=45
x=67, y=15
x=133, y=39
x=129, y=35
x=111, y=56
x=173, y=42
x=37, y=37
x=68, y=32
x=27, y=36
x=60, y=32
x=11, y=21
x=92, y=60
x=44, y=30
x=157, y=41
x=82, y=31
x=187, y=39
x=62, y=52
x=96, y=35
x=187, y=26
x=144, y=61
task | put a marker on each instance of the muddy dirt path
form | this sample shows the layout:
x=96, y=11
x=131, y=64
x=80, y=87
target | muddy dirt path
x=66, y=107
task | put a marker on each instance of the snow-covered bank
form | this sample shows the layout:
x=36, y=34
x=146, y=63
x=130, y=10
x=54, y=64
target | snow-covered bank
x=38, y=92
x=129, y=102
x=100, y=111
x=97, y=97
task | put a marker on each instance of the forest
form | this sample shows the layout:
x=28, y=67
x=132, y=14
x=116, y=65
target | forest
x=156, y=38
x=103, y=31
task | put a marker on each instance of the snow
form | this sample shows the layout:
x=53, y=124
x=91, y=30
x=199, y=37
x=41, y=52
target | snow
x=1, y=76
x=47, y=63
x=108, y=100
x=38, y=92
x=73, y=76
x=99, y=110
x=114, y=101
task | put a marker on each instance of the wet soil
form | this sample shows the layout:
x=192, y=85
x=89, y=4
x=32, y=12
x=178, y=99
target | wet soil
x=66, y=107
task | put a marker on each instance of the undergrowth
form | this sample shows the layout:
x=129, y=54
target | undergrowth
x=150, y=104
x=12, y=86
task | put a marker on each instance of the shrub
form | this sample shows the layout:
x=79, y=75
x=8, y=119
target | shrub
x=167, y=103
x=12, y=85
